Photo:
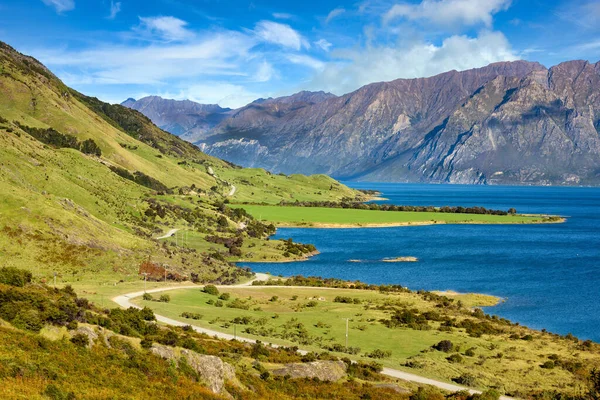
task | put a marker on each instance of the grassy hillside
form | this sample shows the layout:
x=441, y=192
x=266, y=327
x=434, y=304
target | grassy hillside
x=399, y=329
x=86, y=186
x=55, y=345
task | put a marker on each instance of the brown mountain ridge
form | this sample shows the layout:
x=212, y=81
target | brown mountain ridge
x=506, y=123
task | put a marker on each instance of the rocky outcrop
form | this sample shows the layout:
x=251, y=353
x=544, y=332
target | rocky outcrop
x=510, y=122
x=87, y=331
x=329, y=371
x=210, y=368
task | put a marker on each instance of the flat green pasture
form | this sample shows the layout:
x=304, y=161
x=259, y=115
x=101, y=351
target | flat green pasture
x=321, y=216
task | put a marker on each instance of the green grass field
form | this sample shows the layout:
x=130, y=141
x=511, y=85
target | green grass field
x=495, y=361
x=338, y=217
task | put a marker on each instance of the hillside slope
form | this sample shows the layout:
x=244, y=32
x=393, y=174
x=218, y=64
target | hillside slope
x=510, y=122
x=87, y=185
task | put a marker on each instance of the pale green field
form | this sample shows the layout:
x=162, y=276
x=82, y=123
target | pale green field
x=320, y=216
x=497, y=360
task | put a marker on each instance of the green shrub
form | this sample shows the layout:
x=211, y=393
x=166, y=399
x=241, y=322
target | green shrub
x=80, y=340
x=378, y=353
x=14, y=276
x=445, y=345
x=548, y=365
x=211, y=289
x=54, y=393
x=147, y=297
x=466, y=379
x=455, y=358
x=164, y=298
x=225, y=296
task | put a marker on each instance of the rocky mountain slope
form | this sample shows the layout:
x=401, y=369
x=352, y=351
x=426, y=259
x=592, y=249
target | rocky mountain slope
x=510, y=122
x=185, y=118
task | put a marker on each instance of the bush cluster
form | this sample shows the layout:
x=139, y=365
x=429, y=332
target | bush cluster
x=60, y=140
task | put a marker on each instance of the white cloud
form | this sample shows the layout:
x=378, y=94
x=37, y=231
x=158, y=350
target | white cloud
x=449, y=12
x=115, y=8
x=168, y=28
x=265, y=72
x=216, y=92
x=60, y=5
x=281, y=34
x=307, y=61
x=222, y=53
x=334, y=13
x=357, y=67
x=323, y=44
x=282, y=16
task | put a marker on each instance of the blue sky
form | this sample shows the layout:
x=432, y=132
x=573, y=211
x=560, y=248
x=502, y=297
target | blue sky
x=232, y=52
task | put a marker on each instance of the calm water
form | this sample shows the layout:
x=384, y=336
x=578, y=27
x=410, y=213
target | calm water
x=549, y=274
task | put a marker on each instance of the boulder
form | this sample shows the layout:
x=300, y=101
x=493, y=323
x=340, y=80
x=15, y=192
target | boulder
x=210, y=368
x=329, y=371
x=87, y=331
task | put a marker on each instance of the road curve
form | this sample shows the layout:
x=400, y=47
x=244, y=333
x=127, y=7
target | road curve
x=124, y=301
x=168, y=234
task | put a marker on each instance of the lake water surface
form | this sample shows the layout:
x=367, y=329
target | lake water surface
x=549, y=274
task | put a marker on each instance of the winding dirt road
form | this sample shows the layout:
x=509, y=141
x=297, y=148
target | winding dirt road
x=124, y=300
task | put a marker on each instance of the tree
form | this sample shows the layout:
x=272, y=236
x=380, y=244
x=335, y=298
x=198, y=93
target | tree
x=90, y=147
x=512, y=211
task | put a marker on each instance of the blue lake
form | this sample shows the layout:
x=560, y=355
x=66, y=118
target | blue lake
x=548, y=274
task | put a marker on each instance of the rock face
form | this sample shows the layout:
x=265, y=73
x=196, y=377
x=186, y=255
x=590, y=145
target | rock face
x=185, y=118
x=211, y=368
x=329, y=371
x=510, y=122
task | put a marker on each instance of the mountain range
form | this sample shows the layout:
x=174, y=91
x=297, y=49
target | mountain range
x=507, y=123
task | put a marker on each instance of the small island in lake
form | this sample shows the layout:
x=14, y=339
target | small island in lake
x=401, y=259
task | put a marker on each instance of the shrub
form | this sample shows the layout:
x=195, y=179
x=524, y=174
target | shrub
x=80, y=340
x=378, y=353
x=466, y=379
x=211, y=289
x=147, y=314
x=14, y=276
x=490, y=394
x=239, y=304
x=90, y=147
x=54, y=393
x=191, y=315
x=147, y=297
x=274, y=298
x=146, y=343
x=445, y=345
x=548, y=365
x=455, y=358
x=164, y=298
x=470, y=352
x=427, y=394
x=225, y=296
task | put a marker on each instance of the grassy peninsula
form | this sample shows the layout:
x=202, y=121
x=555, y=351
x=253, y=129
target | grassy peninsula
x=442, y=337
x=324, y=217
